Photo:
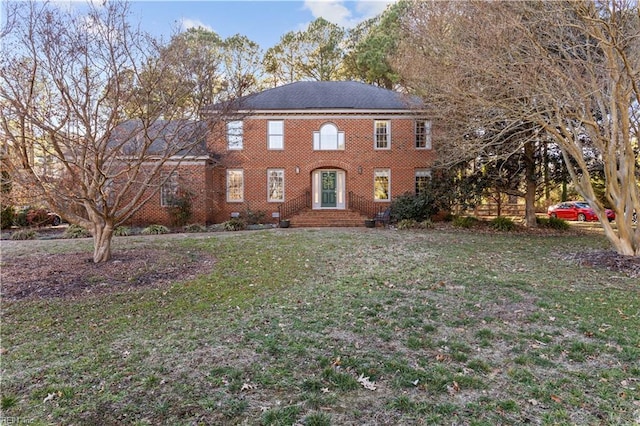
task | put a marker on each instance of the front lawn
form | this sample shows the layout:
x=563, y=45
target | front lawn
x=332, y=327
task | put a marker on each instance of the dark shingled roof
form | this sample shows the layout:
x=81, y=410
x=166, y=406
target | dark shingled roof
x=165, y=136
x=327, y=95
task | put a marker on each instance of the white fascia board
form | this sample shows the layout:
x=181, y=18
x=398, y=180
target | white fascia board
x=190, y=159
x=347, y=113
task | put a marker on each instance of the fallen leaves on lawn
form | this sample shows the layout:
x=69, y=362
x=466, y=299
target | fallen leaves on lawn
x=50, y=396
x=366, y=383
x=247, y=387
x=453, y=388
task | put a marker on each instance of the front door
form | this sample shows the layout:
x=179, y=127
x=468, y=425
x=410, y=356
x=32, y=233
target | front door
x=329, y=189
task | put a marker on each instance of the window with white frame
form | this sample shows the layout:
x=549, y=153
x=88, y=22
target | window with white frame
x=235, y=185
x=382, y=134
x=234, y=135
x=381, y=184
x=423, y=134
x=275, y=185
x=276, y=134
x=422, y=180
x=328, y=138
x=169, y=189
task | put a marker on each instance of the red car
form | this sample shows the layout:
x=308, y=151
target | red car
x=577, y=210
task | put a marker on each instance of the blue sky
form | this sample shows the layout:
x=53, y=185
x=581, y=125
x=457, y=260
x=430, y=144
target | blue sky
x=262, y=21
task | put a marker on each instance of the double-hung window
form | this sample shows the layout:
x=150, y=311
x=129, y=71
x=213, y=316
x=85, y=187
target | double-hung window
x=423, y=134
x=234, y=135
x=381, y=184
x=169, y=189
x=422, y=180
x=275, y=185
x=235, y=185
x=382, y=134
x=276, y=135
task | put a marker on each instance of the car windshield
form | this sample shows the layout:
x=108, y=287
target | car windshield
x=583, y=205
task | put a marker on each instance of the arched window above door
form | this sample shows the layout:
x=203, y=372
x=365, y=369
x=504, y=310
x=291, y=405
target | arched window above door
x=328, y=138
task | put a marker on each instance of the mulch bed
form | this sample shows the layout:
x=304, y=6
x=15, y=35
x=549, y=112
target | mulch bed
x=608, y=259
x=74, y=275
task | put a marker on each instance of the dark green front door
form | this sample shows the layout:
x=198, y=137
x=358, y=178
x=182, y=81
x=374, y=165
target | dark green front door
x=328, y=189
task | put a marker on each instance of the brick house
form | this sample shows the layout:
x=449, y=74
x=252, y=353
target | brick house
x=320, y=153
x=189, y=171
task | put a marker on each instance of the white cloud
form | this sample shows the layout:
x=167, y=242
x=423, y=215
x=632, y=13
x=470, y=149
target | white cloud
x=333, y=11
x=370, y=8
x=186, y=23
x=346, y=13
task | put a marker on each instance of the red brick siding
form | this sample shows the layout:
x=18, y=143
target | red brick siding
x=197, y=178
x=403, y=159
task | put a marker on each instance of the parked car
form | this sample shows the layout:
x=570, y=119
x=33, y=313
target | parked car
x=37, y=216
x=577, y=210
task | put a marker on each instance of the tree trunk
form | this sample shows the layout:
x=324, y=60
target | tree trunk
x=102, y=236
x=530, y=182
x=530, y=204
x=545, y=173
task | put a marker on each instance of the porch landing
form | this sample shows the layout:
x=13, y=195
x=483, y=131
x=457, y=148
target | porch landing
x=309, y=218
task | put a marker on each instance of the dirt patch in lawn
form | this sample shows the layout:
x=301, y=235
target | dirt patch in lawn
x=74, y=275
x=608, y=259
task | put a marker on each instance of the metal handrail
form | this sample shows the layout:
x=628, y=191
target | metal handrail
x=293, y=206
x=365, y=206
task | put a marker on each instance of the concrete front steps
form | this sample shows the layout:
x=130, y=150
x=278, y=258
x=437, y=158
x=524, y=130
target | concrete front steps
x=309, y=218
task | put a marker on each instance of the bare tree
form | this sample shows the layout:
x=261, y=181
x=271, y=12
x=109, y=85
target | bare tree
x=569, y=68
x=69, y=81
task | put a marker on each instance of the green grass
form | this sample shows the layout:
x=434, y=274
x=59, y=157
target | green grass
x=450, y=326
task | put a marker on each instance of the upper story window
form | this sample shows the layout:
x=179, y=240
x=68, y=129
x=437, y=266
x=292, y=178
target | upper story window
x=275, y=184
x=169, y=189
x=234, y=135
x=423, y=134
x=235, y=185
x=328, y=138
x=382, y=134
x=276, y=135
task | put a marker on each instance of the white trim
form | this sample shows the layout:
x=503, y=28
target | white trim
x=428, y=127
x=316, y=192
x=227, y=186
x=170, y=183
x=187, y=162
x=339, y=138
x=269, y=135
x=240, y=146
x=172, y=160
x=325, y=112
x=375, y=134
x=274, y=200
x=388, y=174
